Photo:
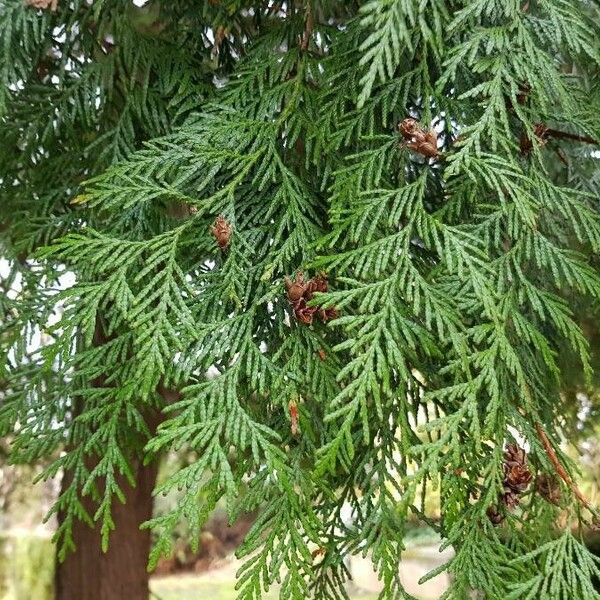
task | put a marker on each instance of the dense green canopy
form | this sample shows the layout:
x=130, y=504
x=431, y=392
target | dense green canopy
x=430, y=165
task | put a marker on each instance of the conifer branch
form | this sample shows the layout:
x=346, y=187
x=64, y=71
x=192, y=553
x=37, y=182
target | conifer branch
x=178, y=185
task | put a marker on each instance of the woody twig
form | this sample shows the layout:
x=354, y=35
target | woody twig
x=564, y=135
x=543, y=133
x=560, y=470
x=308, y=28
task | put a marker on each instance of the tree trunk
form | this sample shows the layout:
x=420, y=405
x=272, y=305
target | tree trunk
x=120, y=573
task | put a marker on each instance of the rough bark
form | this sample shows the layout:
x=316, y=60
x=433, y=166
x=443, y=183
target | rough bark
x=120, y=573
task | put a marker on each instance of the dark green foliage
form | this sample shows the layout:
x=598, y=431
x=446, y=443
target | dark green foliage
x=462, y=283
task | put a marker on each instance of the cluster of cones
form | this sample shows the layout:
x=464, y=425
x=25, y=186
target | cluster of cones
x=517, y=478
x=301, y=291
x=420, y=140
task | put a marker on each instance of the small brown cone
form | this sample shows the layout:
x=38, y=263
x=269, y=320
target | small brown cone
x=517, y=476
x=540, y=132
x=301, y=291
x=548, y=487
x=296, y=288
x=514, y=455
x=494, y=515
x=418, y=139
x=303, y=313
x=510, y=499
x=221, y=231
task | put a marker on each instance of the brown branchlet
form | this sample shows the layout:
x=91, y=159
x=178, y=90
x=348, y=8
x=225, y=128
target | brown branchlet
x=558, y=466
x=418, y=139
x=294, y=417
x=542, y=133
x=221, y=231
x=517, y=478
x=301, y=291
x=309, y=25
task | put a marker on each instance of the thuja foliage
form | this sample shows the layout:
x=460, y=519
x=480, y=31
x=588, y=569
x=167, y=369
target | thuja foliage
x=346, y=250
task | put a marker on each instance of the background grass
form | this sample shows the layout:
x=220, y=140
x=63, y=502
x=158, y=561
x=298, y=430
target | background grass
x=191, y=587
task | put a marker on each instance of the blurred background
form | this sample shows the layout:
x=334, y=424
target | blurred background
x=27, y=553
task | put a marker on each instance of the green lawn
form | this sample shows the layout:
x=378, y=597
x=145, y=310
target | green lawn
x=190, y=587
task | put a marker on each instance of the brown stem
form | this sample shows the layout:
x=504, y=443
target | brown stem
x=308, y=28
x=220, y=35
x=561, y=471
x=561, y=156
x=564, y=135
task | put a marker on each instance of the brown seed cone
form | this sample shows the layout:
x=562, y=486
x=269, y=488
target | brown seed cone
x=517, y=476
x=311, y=288
x=300, y=292
x=408, y=127
x=548, y=487
x=540, y=131
x=510, y=499
x=303, y=313
x=320, y=283
x=296, y=288
x=327, y=314
x=494, y=515
x=513, y=455
x=221, y=230
x=419, y=139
